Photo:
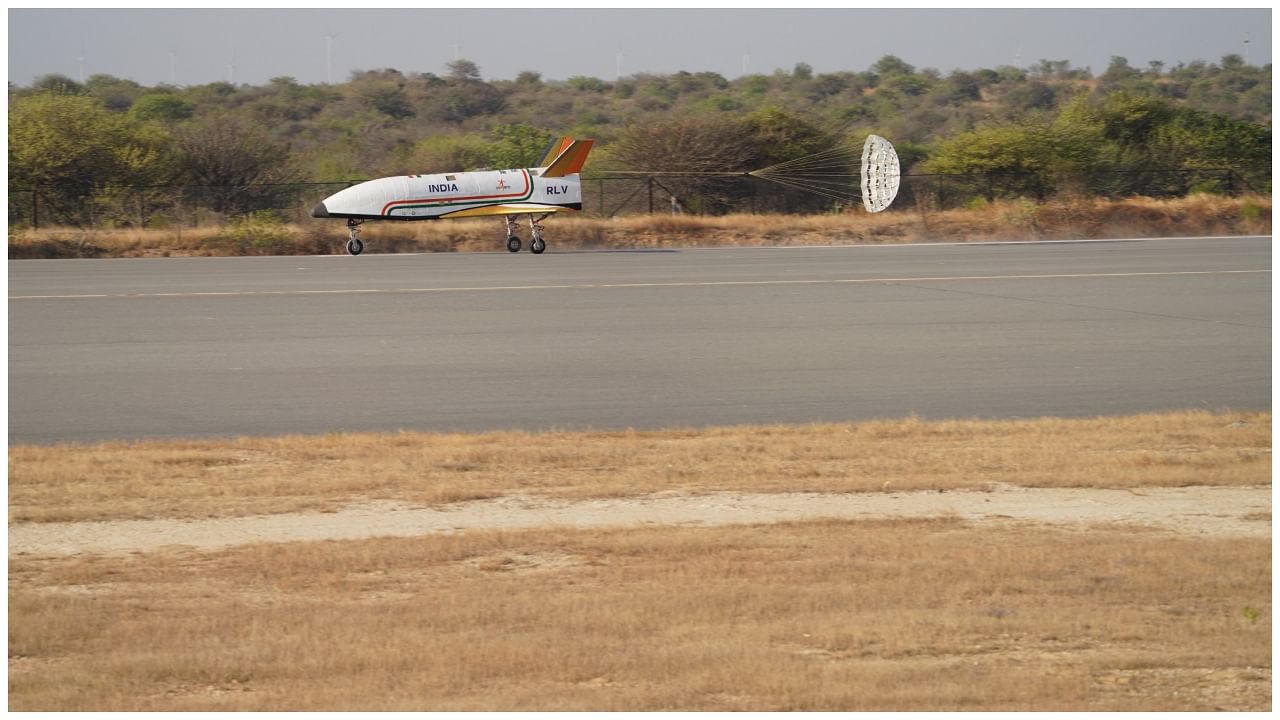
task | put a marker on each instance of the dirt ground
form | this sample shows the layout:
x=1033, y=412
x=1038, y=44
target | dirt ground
x=1205, y=511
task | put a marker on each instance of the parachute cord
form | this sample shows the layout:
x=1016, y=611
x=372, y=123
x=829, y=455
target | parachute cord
x=834, y=173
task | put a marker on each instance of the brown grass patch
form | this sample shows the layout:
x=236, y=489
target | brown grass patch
x=1058, y=219
x=208, y=478
x=902, y=615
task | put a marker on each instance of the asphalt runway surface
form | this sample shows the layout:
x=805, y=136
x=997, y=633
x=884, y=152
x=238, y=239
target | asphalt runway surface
x=128, y=349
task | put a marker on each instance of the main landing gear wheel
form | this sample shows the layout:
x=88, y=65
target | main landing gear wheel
x=535, y=230
x=537, y=245
x=354, y=247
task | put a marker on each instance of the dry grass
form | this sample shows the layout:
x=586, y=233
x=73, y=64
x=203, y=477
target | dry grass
x=927, y=614
x=904, y=615
x=1064, y=218
x=207, y=478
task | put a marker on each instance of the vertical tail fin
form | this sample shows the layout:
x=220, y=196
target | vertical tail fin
x=573, y=155
x=554, y=148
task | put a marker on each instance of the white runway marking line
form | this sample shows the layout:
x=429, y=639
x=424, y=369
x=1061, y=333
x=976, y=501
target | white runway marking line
x=617, y=286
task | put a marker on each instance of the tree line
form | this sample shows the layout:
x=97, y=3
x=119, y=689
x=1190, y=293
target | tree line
x=112, y=152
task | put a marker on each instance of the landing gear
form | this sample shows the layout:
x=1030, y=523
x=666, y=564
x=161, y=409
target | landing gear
x=535, y=230
x=354, y=246
x=513, y=241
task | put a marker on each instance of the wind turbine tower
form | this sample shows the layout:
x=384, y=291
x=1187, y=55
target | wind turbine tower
x=328, y=56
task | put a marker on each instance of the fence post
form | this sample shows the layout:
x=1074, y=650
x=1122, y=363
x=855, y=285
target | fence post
x=35, y=209
x=650, y=194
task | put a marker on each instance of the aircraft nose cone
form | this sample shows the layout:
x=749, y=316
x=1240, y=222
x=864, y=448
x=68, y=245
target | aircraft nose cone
x=320, y=211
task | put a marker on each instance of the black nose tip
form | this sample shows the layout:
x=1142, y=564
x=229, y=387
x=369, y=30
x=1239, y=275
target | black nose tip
x=320, y=211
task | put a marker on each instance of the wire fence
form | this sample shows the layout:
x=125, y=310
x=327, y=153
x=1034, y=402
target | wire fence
x=606, y=195
x=162, y=205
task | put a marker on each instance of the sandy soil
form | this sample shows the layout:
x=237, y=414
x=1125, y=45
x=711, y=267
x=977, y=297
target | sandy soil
x=1210, y=511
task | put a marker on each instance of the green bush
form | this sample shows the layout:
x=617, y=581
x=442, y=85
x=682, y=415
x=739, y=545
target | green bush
x=258, y=233
x=1250, y=211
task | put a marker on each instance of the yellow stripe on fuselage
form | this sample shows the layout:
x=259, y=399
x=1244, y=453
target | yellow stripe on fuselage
x=520, y=209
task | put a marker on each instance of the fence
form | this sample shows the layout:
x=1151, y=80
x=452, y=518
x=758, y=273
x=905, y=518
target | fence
x=607, y=195
x=148, y=205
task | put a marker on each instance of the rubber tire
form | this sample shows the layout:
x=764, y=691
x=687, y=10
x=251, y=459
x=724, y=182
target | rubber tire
x=354, y=247
x=537, y=247
x=513, y=244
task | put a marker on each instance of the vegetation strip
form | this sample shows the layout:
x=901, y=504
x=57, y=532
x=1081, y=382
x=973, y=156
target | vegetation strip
x=1063, y=219
x=936, y=614
x=108, y=152
x=261, y=476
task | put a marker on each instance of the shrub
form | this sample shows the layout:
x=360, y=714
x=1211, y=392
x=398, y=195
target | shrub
x=1250, y=211
x=258, y=233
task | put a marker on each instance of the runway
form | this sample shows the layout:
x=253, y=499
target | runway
x=126, y=349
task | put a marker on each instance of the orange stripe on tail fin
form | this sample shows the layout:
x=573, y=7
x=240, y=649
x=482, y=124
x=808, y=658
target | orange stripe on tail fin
x=570, y=160
x=554, y=148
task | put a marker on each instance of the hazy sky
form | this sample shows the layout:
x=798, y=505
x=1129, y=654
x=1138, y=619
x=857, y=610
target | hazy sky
x=191, y=47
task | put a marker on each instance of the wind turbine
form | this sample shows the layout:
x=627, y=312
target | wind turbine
x=328, y=56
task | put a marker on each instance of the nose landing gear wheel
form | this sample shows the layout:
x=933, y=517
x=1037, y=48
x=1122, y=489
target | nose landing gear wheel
x=354, y=246
x=513, y=244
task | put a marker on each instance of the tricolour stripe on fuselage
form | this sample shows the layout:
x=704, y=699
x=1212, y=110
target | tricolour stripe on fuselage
x=480, y=189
